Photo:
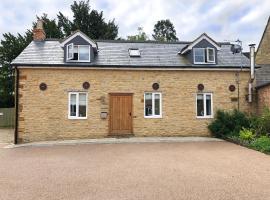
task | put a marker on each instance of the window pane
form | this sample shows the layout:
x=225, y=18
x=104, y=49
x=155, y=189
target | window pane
x=208, y=105
x=75, y=53
x=73, y=105
x=70, y=52
x=84, y=52
x=148, y=104
x=82, y=105
x=200, y=109
x=199, y=55
x=157, y=104
x=211, y=55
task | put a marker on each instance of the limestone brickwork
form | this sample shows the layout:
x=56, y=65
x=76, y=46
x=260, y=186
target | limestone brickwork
x=263, y=52
x=263, y=98
x=43, y=115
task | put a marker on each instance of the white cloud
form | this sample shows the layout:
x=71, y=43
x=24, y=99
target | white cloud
x=223, y=20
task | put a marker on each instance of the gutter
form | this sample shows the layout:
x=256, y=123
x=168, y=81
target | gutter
x=16, y=106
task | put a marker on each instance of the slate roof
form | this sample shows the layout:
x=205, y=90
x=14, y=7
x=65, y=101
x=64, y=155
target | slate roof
x=115, y=53
x=263, y=75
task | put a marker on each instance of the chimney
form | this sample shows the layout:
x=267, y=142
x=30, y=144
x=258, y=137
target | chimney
x=38, y=32
x=252, y=62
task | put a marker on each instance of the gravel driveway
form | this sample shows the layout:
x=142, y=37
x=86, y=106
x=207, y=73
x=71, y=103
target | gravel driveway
x=158, y=171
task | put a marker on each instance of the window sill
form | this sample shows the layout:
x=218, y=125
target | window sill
x=204, y=63
x=152, y=117
x=77, y=117
x=77, y=61
x=204, y=117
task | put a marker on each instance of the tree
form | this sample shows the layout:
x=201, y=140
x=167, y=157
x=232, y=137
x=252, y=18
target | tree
x=11, y=46
x=141, y=36
x=164, y=31
x=90, y=22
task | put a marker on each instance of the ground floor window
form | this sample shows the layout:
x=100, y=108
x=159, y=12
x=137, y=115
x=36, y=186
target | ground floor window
x=77, y=105
x=205, y=105
x=152, y=105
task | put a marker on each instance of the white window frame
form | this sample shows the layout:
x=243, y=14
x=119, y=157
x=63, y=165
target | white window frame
x=134, y=53
x=214, y=55
x=204, y=106
x=70, y=59
x=153, y=105
x=194, y=56
x=77, y=105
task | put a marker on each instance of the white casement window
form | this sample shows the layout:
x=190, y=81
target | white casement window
x=77, y=105
x=152, y=105
x=199, y=55
x=70, y=51
x=210, y=55
x=78, y=53
x=204, y=55
x=204, y=104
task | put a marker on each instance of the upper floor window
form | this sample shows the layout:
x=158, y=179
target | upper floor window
x=78, y=53
x=204, y=55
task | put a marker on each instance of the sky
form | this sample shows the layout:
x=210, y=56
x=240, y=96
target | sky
x=223, y=20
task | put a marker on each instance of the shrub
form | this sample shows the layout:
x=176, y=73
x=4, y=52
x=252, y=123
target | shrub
x=228, y=123
x=246, y=135
x=261, y=124
x=265, y=120
x=261, y=144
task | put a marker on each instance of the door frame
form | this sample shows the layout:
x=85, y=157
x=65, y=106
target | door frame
x=110, y=116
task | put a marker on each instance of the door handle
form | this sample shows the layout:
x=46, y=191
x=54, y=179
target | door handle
x=130, y=114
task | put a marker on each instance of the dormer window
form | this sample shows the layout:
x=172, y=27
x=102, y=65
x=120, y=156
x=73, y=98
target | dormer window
x=204, y=55
x=134, y=52
x=78, y=53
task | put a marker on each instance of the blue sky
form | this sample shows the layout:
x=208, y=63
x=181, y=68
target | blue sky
x=223, y=20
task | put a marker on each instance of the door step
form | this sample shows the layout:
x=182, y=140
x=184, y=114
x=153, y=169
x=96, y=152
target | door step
x=121, y=136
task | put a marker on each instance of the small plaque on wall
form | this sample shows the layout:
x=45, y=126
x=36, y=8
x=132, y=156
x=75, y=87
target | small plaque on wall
x=234, y=99
x=103, y=115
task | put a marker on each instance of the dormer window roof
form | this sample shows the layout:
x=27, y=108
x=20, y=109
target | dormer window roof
x=82, y=35
x=204, y=36
x=134, y=52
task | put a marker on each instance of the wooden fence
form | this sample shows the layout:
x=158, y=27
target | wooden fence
x=7, y=117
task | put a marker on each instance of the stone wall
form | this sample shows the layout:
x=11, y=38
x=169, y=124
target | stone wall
x=263, y=98
x=43, y=115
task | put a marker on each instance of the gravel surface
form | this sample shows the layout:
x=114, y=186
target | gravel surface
x=158, y=171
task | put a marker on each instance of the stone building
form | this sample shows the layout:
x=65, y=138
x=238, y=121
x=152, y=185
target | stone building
x=81, y=88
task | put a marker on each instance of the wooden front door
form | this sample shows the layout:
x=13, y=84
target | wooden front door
x=120, y=122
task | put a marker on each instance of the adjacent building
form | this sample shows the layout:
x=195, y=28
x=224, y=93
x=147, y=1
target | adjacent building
x=263, y=73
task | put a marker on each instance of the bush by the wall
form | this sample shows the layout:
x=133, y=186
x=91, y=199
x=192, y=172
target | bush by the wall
x=228, y=123
x=261, y=144
x=246, y=135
